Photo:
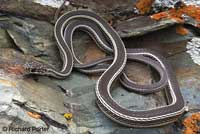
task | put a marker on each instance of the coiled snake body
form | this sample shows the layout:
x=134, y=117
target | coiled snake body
x=109, y=41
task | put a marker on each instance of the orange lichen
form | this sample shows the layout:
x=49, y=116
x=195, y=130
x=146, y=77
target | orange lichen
x=177, y=13
x=160, y=15
x=189, y=131
x=34, y=115
x=144, y=6
x=181, y=30
x=191, y=124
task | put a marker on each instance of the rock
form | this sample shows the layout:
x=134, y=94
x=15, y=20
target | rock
x=22, y=44
x=5, y=41
x=187, y=73
x=140, y=25
x=85, y=48
x=171, y=3
x=134, y=68
x=143, y=24
x=192, y=2
x=30, y=36
x=102, y=5
x=45, y=10
x=193, y=48
x=13, y=116
x=33, y=91
x=110, y=10
x=28, y=9
x=51, y=3
x=165, y=41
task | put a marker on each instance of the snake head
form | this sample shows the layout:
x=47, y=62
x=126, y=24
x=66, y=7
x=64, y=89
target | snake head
x=36, y=67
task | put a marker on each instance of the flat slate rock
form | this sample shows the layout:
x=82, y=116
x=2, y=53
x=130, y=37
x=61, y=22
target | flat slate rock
x=44, y=11
x=141, y=25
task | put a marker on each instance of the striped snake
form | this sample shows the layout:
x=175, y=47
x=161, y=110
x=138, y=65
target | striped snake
x=111, y=68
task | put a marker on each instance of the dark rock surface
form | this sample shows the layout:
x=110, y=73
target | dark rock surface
x=36, y=9
x=141, y=25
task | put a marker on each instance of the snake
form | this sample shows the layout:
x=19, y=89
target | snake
x=111, y=69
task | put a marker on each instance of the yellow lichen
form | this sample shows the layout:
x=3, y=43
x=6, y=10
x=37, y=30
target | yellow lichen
x=68, y=116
